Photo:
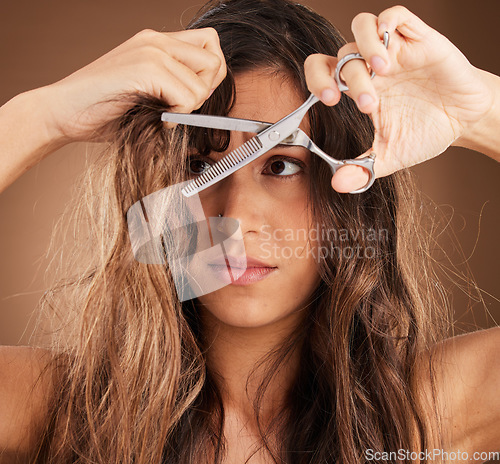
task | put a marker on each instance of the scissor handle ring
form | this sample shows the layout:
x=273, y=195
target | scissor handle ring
x=353, y=56
x=366, y=163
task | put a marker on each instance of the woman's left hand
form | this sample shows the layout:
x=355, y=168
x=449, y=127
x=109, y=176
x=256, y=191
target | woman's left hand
x=424, y=97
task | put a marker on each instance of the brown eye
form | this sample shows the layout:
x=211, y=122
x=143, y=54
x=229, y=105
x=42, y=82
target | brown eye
x=197, y=166
x=277, y=167
x=284, y=168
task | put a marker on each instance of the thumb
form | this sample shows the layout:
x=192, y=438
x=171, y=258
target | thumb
x=351, y=177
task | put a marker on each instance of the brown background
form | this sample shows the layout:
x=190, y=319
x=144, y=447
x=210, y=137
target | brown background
x=41, y=42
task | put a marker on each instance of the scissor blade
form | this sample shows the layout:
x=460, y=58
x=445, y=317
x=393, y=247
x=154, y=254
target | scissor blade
x=216, y=122
x=249, y=151
x=238, y=158
x=233, y=161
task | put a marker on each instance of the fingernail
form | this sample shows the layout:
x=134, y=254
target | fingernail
x=327, y=95
x=377, y=63
x=365, y=99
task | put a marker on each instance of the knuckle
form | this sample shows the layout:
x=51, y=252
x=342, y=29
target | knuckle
x=311, y=61
x=361, y=20
x=223, y=69
x=214, y=61
x=187, y=101
x=212, y=33
x=400, y=9
x=191, y=99
x=146, y=35
x=151, y=54
x=358, y=19
x=201, y=91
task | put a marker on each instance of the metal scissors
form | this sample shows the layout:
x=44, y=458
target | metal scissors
x=286, y=131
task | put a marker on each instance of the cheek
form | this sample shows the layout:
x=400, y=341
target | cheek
x=290, y=194
x=289, y=228
x=295, y=247
x=300, y=262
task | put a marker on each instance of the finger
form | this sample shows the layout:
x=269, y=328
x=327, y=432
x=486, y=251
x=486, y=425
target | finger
x=200, y=86
x=365, y=29
x=319, y=71
x=408, y=24
x=357, y=77
x=204, y=38
x=208, y=39
x=181, y=88
x=203, y=62
x=194, y=51
x=349, y=178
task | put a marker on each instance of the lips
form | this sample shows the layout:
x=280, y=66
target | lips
x=240, y=262
x=237, y=270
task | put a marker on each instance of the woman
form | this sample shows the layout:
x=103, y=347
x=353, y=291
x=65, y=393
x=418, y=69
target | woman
x=322, y=360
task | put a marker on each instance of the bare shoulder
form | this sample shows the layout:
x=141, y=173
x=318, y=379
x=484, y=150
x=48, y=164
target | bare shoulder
x=462, y=373
x=25, y=387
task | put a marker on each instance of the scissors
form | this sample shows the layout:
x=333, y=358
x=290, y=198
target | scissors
x=286, y=131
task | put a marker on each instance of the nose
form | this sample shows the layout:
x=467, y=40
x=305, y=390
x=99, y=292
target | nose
x=240, y=196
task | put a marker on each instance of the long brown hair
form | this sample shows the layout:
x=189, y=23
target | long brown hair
x=132, y=382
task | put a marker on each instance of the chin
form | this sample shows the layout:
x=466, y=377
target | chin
x=242, y=314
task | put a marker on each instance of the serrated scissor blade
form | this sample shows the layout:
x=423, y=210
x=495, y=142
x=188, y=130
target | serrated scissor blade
x=216, y=122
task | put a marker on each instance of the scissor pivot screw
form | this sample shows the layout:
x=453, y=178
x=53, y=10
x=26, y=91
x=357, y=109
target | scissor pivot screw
x=274, y=135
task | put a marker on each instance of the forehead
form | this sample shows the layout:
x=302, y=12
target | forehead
x=265, y=96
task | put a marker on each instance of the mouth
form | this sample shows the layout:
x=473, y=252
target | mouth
x=253, y=274
x=242, y=271
x=240, y=262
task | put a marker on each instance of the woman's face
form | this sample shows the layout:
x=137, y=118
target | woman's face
x=269, y=199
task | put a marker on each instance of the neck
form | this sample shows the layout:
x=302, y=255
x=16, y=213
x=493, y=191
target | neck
x=240, y=356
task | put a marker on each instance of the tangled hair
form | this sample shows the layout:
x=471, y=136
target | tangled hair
x=129, y=360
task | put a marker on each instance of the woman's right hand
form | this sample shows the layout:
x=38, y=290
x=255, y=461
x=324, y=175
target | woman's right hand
x=425, y=97
x=181, y=68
